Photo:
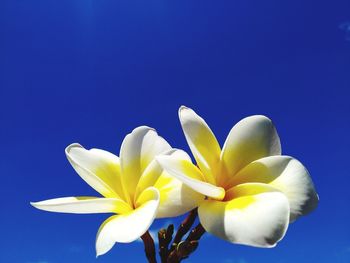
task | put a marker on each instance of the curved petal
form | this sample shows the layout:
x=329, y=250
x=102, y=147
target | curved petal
x=83, y=205
x=256, y=216
x=127, y=227
x=250, y=139
x=175, y=197
x=247, y=189
x=286, y=174
x=151, y=193
x=190, y=175
x=100, y=169
x=152, y=173
x=202, y=141
x=137, y=151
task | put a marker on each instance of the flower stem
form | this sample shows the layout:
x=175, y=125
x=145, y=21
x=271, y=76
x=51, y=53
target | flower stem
x=149, y=247
x=165, y=236
x=184, y=227
x=181, y=249
x=186, y=247
x=196, y=233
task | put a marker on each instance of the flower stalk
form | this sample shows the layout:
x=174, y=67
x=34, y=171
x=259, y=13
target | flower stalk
x=149, y=247
x=188, y=246
x=179, y=249
x=165, y=236
x=184, y=228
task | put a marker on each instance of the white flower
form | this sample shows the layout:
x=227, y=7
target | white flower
x=133, y=186
x=252, y=191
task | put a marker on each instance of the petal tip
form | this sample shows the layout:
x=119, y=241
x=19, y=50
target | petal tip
x=183, y=110
x=143, y=128
x=99, y=253
x=271, y=245
x=102, y=249
x=183, y=107
x=221, y=193
x=260, y=116
x=37, y=205
x=257, y=118
x=72, y=145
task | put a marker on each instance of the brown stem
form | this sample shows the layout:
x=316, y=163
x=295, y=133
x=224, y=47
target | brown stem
x=173, y=258
x=182, y=249
x=149, y=247
x=184, y=228
x=196, y=233
x=165, y=236
x=185, y=248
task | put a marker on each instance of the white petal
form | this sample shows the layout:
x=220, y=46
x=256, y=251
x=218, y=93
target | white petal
x=190, y=175
x=286, y=174
x=202, y=142
x=137, y=151
x=250, y=139
x=257, y=217
x=151, y=174
x=128, y=227
x=100, y=169
x=175, y=197
x=83, y=205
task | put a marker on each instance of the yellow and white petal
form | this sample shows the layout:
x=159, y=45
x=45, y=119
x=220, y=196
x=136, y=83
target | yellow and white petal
x=153, y=171
x=127, y=227
x=151, y=174
x=190, y=175
x=149, y=194
x=175, y=197
x=250, y=139
x=256, y=216
x=248, y=189
x=286, y=174
x=100, y=169
x=83, y=205
x=137, y=151
x=202, y=142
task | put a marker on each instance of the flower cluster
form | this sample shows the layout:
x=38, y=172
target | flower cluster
x=246, y=192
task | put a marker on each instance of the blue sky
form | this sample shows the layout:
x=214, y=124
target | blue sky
x=91, y=71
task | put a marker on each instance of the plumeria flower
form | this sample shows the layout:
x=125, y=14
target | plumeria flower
x=252, y=191
x=133, y=186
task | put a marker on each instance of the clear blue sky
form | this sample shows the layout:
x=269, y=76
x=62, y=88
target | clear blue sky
x=90, y=71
